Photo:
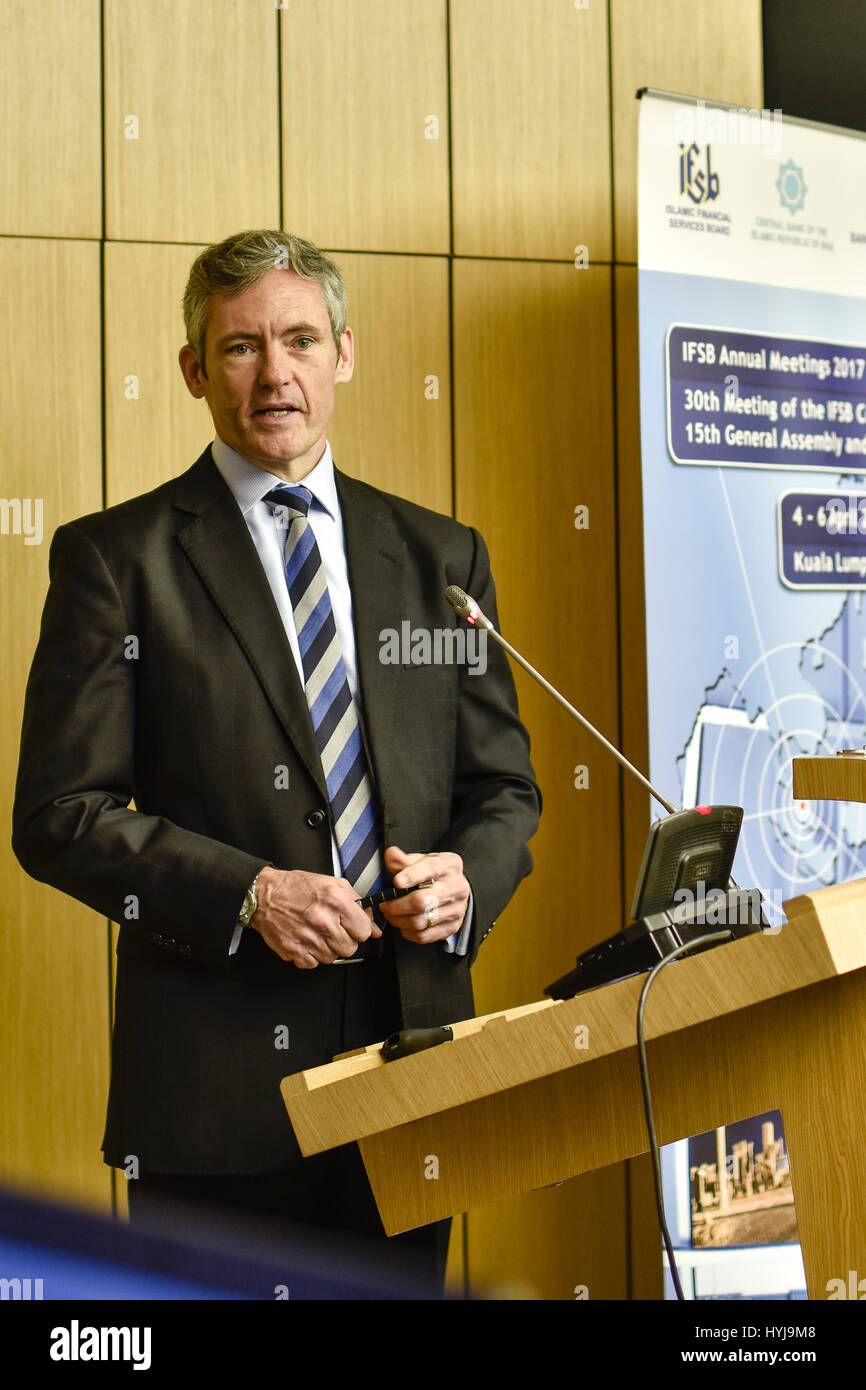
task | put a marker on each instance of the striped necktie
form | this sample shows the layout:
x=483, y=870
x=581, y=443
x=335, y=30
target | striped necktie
x=332, y=708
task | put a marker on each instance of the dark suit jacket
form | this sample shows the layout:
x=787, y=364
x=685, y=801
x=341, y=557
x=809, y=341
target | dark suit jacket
x=163, y=674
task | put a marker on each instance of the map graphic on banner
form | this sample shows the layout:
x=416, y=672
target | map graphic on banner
x=752, y=296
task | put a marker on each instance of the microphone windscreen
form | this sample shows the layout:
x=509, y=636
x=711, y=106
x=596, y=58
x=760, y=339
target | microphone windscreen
x=459, y=600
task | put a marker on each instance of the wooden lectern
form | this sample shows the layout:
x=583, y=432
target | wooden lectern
x=541, y=1093
x=840, y=778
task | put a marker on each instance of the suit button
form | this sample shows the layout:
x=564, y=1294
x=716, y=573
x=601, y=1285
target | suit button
x=315, y=818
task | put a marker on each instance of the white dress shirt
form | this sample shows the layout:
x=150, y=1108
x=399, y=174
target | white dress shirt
x=249, y=485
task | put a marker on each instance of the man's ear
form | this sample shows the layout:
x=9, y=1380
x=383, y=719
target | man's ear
x=346, y=358
x=193, y=372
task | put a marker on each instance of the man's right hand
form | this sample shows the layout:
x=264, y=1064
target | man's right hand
x=310, y=919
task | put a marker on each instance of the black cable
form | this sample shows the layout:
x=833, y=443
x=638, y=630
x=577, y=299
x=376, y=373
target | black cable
x=647, y=1099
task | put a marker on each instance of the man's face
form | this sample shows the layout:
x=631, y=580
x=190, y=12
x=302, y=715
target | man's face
x=272, y=365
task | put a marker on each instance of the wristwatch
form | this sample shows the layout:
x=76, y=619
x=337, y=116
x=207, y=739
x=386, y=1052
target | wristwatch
x=250, y=904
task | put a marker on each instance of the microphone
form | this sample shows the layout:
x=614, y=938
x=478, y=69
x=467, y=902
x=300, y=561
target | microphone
x=469, y=609
x=647, y=944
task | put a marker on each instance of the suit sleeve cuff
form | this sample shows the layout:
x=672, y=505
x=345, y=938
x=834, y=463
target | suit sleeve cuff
x=458, y=944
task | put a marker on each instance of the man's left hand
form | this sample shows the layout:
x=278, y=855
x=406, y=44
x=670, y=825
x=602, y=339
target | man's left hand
x=431, y=914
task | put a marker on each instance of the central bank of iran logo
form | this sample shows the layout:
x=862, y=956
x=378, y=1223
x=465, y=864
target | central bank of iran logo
x=791, y=186
x=698, y=181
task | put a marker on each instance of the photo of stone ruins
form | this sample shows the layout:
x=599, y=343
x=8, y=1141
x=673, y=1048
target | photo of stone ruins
x=744, y=1197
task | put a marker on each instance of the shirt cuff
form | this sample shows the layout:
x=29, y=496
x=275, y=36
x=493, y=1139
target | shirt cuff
x=458, y=944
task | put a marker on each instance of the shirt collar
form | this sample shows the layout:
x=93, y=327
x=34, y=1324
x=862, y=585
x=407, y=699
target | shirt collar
x=249, y=483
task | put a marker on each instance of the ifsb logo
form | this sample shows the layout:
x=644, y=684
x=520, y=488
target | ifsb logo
x=697, y=179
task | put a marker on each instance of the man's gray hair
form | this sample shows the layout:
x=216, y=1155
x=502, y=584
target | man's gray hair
x=233, y=265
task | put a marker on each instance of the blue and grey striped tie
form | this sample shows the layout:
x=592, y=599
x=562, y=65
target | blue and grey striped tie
x=332, y=708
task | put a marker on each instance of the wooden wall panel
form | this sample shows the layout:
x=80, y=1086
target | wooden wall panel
x=51, y=161
x=202, y=83
x=365, y=124
x=711, y=51
x=646, y=1266
x=53, y=952
x=389, y=426
x=534, y=440
x=531, y=137
x=550, y=1243
x=158, y=433
x=697, y=47
x=637, y=806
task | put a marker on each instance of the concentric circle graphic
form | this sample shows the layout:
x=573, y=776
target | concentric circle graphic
x=797, y=842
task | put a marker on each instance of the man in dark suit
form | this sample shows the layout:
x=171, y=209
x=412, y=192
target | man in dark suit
x=173, y=669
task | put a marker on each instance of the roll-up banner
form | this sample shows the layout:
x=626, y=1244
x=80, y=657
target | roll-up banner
x=752, y=294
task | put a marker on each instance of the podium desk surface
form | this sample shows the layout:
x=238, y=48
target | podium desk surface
x=359, y=1095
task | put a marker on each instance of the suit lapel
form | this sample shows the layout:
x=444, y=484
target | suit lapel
x=219, y=546
x=377, y=559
